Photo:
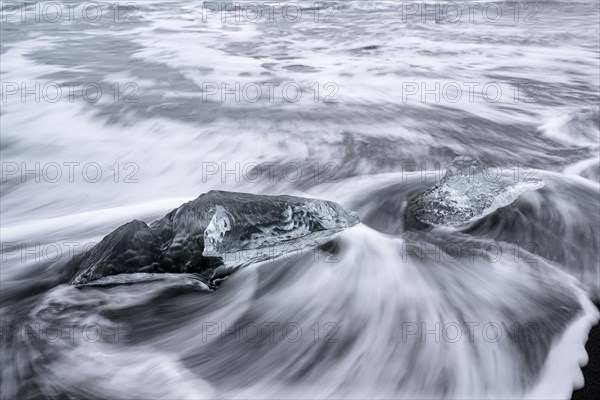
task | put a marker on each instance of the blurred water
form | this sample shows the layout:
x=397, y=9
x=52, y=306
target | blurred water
x=167, y=139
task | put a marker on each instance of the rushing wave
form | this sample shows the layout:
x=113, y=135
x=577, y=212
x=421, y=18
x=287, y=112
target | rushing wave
x=497, y=307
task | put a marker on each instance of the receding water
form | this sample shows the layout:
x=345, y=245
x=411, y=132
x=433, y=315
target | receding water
x=364, y=103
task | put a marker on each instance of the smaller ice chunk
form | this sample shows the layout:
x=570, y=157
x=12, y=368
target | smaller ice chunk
x=468, y=192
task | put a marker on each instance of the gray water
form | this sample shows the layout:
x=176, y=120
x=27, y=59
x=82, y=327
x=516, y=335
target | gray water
x=389, y=95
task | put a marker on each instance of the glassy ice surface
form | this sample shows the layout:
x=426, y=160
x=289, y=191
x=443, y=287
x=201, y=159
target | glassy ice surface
x=141, y=277
x=209, y=236
x=468, y=192
x=240, y=239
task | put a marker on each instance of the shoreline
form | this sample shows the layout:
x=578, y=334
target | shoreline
x=591, y=372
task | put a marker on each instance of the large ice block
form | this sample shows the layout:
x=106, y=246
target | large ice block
x=212, y=236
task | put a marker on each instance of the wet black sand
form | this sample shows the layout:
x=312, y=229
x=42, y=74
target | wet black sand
x=591, y=372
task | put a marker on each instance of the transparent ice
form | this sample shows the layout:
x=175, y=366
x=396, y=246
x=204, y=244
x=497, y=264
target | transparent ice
x=468, y=192
x=242, y=239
